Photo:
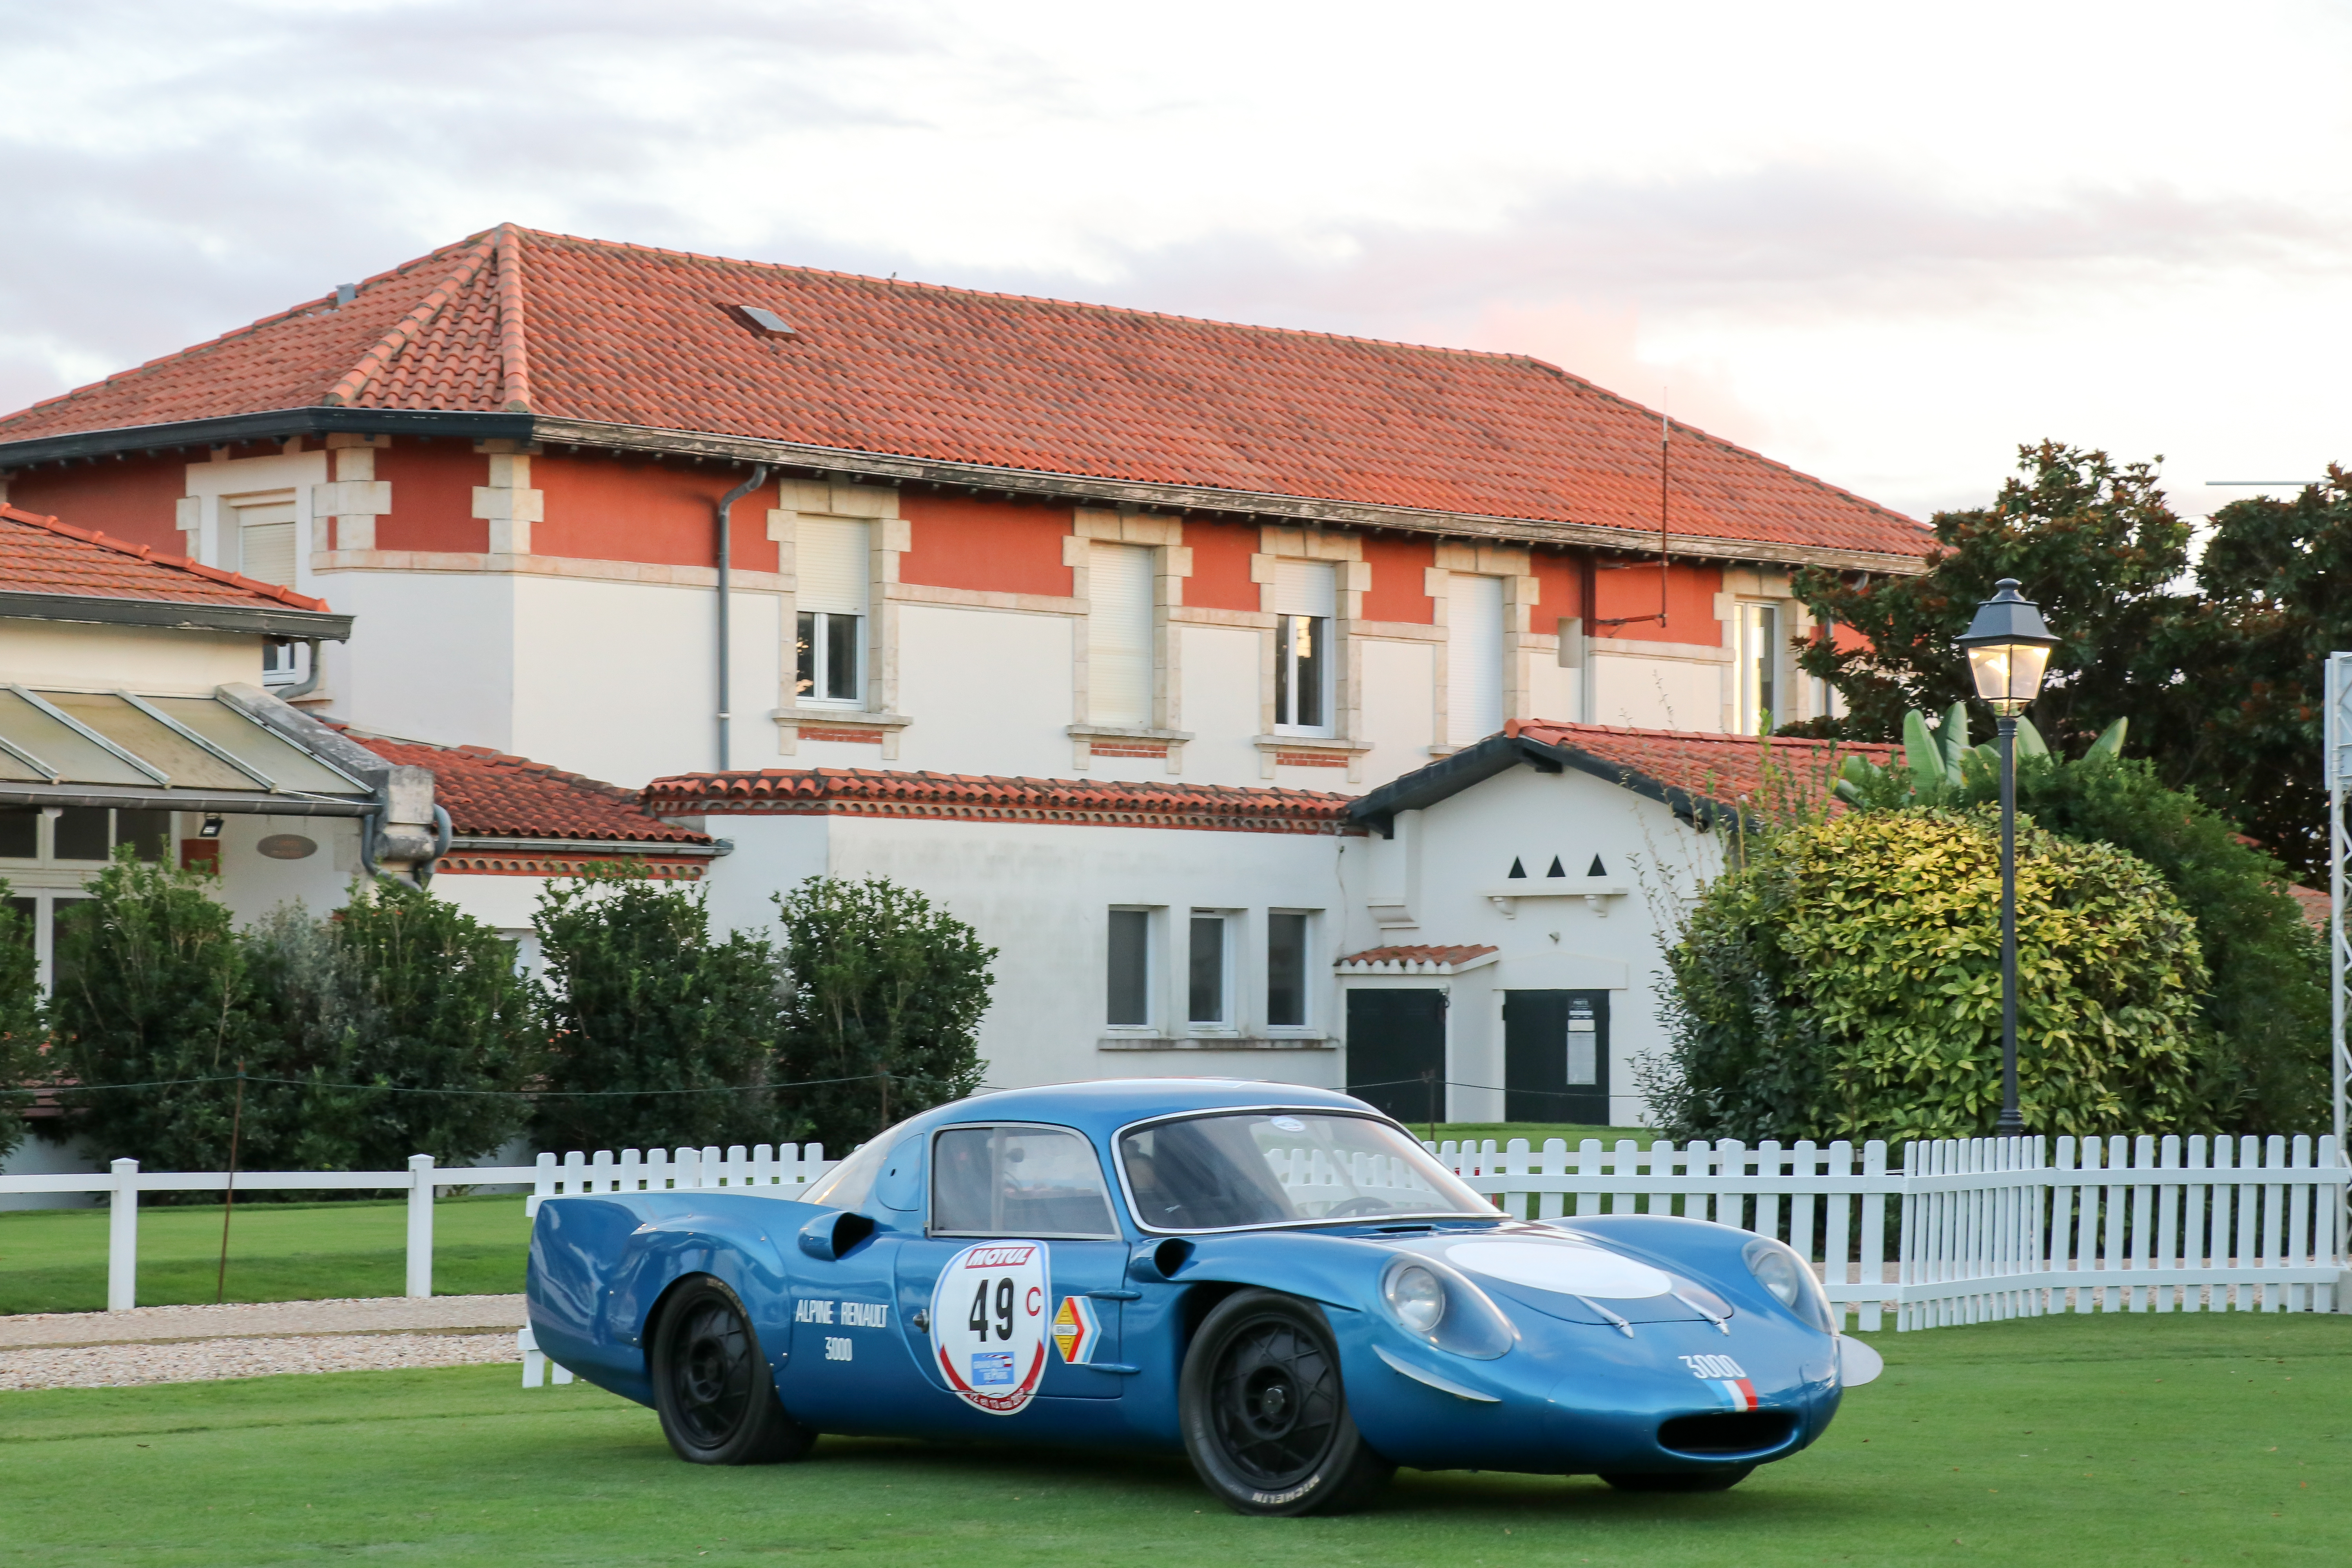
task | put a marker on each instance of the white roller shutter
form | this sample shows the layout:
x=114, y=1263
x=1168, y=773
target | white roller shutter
x=264, y=543
x=1306, y=588
x=1119, y=633
x=829, y=554
x=1473, y=658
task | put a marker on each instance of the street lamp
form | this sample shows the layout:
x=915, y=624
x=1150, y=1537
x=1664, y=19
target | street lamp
x=2008, y=647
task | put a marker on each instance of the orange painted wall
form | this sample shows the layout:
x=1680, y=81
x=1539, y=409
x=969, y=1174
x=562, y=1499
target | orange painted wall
x=1399, y=590
x=432, y=496
x=130, y=500
x=1690, y=603
x=1559, y=589
x=605, y=509
x=986, y=546
x=1221, y=565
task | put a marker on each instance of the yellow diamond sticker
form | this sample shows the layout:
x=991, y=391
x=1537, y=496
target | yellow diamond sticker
x=1075, y=1330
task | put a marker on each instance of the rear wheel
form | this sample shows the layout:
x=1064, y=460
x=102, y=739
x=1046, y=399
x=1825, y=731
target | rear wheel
x=1265, y=1420
x=1679, y=1480
x=711, y=1385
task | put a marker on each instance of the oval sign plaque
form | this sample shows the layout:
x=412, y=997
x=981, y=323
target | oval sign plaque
x=287, y=847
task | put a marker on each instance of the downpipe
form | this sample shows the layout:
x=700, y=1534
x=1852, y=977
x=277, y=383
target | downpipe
x=727, y=597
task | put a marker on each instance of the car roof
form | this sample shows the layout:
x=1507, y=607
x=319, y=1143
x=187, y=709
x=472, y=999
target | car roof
x=1102, y=1107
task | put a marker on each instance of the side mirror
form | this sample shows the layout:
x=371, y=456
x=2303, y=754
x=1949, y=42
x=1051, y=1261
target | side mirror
x=829, y=1236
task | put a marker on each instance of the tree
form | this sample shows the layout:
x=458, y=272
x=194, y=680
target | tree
x=1845, y=983
x=884, y=994
x=2241, y=723
x=149, y=984
x=2094, y=543
x=443, y=1028
x=23, y=1027
x=662, y=1035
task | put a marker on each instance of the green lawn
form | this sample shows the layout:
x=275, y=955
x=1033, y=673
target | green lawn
x=2070, y=1441
x=54, y=1260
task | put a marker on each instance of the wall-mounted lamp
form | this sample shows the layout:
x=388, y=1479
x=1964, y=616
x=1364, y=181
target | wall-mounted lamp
x=211, y=827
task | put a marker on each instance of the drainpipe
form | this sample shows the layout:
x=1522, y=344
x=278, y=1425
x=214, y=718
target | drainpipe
x=309, y=682
x=727, y=593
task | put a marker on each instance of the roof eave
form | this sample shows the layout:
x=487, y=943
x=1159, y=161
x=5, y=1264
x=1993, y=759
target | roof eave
x=1449, y=776
x=893, y=468
x=99, y=610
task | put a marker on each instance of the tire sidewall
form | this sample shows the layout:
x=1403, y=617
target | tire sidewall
x=750, y=1432
x=1342, y=1461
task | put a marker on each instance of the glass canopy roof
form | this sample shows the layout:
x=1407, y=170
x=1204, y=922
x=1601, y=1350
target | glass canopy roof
x=159, y=746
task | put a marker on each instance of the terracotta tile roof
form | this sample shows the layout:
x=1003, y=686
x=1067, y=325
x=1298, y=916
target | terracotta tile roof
x=2318, y=907
x=490, y=794
x=967, y=797
x=517, y=321
x=40, y=555
x=1410, y=960
x=1730, y=770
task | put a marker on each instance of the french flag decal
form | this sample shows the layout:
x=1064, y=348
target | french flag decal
x=1738, y=1391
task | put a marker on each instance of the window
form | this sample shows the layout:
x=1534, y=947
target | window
x=264, y=542
x=1285, y=970
x=1305, y=600
x=1119, y=635
x=830, y=562
x=1207, y=989
x=1017, y=1181
x=284, y=662
x=1760, y=660
x=85, y=833
x=1131, y=970
x=1473, y=658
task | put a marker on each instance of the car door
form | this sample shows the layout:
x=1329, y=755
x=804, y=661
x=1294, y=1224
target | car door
x=1013, y=1291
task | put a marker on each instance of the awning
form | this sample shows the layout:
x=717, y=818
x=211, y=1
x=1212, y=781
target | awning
x=169, y=754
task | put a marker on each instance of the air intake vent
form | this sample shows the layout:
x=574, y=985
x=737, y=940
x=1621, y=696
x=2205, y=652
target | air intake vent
x=762, y=320
x=1726, y=1435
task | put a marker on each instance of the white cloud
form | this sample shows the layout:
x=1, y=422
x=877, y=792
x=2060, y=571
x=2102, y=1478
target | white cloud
x=1885, y=245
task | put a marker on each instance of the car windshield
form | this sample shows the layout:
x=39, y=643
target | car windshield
x=1283, y=1167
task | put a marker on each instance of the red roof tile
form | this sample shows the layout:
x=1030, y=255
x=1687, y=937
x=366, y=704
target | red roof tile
x=2318, y=906
x=39, y=554
x=517, y=321
x=1415, y=955
x=872, y=792
x=1730, y=770
x=492, y=795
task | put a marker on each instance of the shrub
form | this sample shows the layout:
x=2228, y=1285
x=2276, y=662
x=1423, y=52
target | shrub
x=647, y=1014
x=1846, y=984
x=2266, y=1014
x=23, y=1024
x=149, y=983
x=885, y=993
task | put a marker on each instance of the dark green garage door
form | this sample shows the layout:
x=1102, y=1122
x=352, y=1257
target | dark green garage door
x=1396, y=1052
x=1556, y=1057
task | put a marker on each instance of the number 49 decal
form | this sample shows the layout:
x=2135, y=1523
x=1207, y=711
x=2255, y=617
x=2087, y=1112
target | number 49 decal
x=988, y=1323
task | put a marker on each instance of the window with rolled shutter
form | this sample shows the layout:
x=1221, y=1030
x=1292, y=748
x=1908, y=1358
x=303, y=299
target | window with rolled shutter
x=264, y=542
x=1119, y=633
x=1473, y=658
x=832, y=571
x=1305, y=600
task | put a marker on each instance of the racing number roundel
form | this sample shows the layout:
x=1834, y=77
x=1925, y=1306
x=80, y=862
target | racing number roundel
x=988, y=1323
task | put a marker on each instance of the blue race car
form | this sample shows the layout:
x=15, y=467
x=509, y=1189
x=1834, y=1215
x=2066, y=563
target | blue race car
x=1278, y=1281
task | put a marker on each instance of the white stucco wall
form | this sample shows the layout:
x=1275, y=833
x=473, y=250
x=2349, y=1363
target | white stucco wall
x=151, y=660
x=989, y=691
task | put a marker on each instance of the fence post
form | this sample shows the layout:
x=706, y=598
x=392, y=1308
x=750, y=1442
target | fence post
x=122, y=1238
x=420, y=1224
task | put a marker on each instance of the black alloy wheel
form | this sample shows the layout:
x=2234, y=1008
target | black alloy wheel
x=1266, y=1419
x=1680, y=1480
x=711, y=1385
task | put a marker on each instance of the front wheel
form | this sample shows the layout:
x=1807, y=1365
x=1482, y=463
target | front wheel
x=1265, y=1420
x=1679, y=1480
x=711, y=1386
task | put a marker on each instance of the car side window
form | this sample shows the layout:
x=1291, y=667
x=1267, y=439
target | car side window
x=1017, y=1181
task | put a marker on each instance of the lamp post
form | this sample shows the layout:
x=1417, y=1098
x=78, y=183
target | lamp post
x=2008, y=647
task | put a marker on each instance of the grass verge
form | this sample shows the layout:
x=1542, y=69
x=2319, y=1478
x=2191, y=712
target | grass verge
x=2067, y=1440
x=54, y=1260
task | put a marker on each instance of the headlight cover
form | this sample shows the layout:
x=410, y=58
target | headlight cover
x=1780, y=1271
x=1434, y=1303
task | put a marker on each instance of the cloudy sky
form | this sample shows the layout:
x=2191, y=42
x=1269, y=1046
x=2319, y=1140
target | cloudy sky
x=1885, y=244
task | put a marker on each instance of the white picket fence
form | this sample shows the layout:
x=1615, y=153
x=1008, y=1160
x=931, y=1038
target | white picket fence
x=1984, y=1229
x=1980, y=1230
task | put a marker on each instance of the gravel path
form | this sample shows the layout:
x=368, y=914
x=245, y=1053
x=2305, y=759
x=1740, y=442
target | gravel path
x=184, y=1344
